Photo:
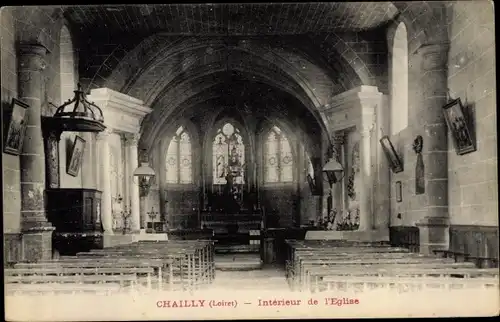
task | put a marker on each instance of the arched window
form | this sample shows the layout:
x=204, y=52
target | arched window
x=399, y=80
x=278, y=158
x=228, y=150
x=178, y=163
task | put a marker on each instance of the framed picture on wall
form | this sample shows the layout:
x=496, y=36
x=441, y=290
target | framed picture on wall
x=76, y=157
x=391, y=154
x=16, y=127
x=459, y=127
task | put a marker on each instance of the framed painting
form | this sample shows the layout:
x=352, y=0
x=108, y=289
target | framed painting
x=394, y=161
x=76, y=157
x=16, y=127
x=458, y=125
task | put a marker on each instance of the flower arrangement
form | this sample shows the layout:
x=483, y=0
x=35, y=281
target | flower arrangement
x=350, y=221
x=326, y=222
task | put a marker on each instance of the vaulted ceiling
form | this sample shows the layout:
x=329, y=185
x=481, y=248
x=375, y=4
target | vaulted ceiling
x=117, y=44
x=232, y=19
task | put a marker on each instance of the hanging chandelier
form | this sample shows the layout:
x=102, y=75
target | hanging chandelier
x=78, y=114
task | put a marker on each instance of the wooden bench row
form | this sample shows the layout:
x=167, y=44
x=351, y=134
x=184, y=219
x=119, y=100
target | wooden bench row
x=166, y=264
x=325, y=265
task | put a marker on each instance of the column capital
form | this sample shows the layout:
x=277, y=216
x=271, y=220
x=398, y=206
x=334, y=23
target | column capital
x=103, y=135
x=339, y=137
x=434, y=56
x=131, y=139
x=32, y=57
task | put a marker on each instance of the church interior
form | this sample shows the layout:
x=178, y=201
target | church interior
x=287, y=142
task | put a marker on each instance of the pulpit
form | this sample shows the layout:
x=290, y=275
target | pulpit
x=76, y=215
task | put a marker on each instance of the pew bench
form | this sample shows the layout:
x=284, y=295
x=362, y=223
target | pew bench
x=124, y=282
x=57, y=288
x=364, y=283
x=145, y=271
x=298, y=275
x=195, y=262
x=315, y=276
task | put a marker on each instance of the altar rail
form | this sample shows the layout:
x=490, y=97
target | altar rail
x=190, y=234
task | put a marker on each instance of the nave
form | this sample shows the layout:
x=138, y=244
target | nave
x=191, y=265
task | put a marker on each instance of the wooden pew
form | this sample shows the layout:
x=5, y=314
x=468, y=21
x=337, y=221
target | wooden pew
x=53, y=283
x=58, y=288
x=304, y=264
x=413, y=283
x=315, y=276
x=307, y=255
x=194, y=258
x=96, y=266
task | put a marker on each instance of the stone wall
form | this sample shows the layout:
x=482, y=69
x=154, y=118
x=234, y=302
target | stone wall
x=10, y=169
x=473, y=187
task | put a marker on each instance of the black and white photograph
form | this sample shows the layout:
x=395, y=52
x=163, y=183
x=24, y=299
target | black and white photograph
x=249, y=160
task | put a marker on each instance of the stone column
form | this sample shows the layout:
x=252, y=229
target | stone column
x=365, y=205
x=37, y=231
x=131, y=141
x=338, y=188
x=105, y=181
x=429, y=122
x=382, y=181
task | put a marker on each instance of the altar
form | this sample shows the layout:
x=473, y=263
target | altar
x=230, y=203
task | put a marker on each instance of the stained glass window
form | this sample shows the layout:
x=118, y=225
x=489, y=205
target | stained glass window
x=178, y=162
x=228, y=155
x=278, y=157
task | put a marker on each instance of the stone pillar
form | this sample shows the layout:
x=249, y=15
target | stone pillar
x=105, y=181
x=131, y=141
x=338, y=188
x=382, y=181
x=37, y=231
x=365, y=205
x=430, y=123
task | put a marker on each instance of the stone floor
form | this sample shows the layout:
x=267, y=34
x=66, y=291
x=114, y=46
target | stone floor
x=263, y=278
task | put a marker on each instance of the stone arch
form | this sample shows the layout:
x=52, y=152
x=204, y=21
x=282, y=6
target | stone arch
x=125, y=71
x=398, y=77
x=425, y=22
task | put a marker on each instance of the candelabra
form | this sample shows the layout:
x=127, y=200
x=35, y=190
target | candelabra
x=152, y=215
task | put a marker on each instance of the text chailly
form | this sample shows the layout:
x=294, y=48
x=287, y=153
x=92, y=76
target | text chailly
x=180, y=303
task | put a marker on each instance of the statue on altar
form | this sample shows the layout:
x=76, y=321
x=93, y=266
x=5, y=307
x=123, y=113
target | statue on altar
x=234, y=180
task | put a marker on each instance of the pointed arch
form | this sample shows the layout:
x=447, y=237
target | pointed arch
x=399, y=80
x=179, y=158
x=228, y=145
x=278, y=162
